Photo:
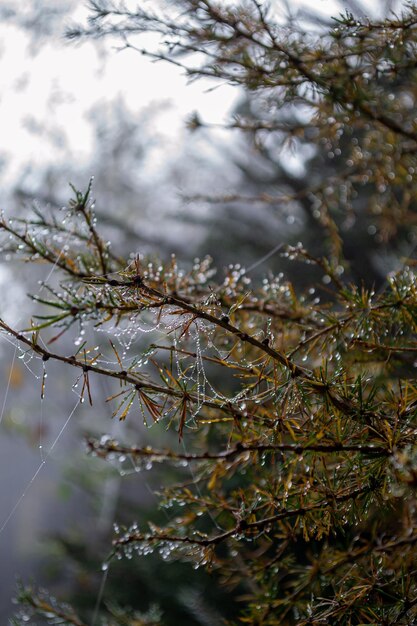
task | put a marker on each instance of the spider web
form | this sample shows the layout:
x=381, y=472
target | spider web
x=23, y=358
x=126, y=336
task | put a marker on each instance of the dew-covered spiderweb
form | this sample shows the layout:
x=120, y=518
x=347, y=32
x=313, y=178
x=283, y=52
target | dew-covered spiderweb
x=129, y=344
x=142, y=337
x=23, y=411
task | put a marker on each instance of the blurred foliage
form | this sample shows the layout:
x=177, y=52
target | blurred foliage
x=294, y=475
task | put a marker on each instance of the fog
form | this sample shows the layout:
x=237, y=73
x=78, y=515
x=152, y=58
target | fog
x=67, y=112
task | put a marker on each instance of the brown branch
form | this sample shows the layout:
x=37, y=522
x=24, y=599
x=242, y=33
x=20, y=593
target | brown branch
x=44, y=253
x=52, y=610
x=242, y=448
x=322, y=332
x=242, y=526
x=295, y=370
x=98, y=242
x=126, y=377
x=380, y=346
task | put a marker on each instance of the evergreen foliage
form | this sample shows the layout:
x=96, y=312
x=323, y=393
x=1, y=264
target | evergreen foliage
x=295, y=408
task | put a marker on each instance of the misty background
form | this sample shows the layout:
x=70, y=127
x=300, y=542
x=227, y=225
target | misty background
x=72, y=111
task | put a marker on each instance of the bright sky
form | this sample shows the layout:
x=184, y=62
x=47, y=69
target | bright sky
x=53, y=88
x=50, y=89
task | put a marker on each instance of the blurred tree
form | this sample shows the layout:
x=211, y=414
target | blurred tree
x=122, y=146
x=290, y=168
x=294, y=467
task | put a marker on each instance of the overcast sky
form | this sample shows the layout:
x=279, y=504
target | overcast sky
x=48, y=86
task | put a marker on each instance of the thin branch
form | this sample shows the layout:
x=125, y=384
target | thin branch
x=242, y=526
x=102, y=449
x=128, y=378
